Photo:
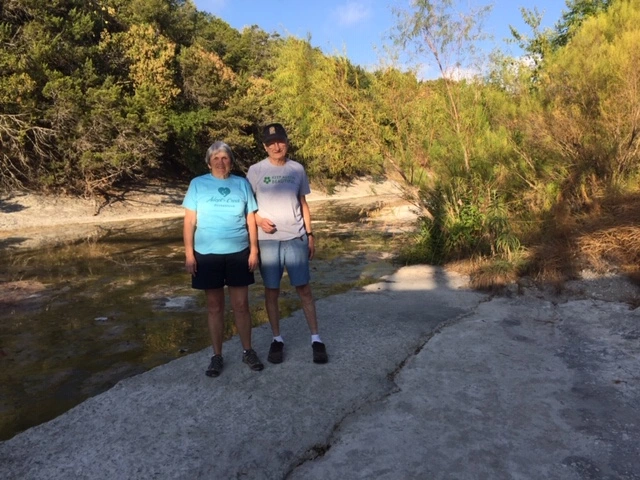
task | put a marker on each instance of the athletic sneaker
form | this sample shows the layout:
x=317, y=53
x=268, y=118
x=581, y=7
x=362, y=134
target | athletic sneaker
x=319, y=353
x=215, y=367
x=276, y=351
x=250, y=357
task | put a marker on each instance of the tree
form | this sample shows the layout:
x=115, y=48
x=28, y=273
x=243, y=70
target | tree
x=463, y=210
x=324, y=111
x=541, y=43
x=578, y=11
x=448, y=38
x=405, y=119
x=40, y=44
x=593, y=110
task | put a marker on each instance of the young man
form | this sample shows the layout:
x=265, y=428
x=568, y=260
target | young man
x=284, y=234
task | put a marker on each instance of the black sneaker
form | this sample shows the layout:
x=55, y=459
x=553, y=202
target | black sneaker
x=319, y=353
x=250, y=357
x=215, y=367
x=276, y=351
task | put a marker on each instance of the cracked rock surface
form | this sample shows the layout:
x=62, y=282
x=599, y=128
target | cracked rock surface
x=426, y=379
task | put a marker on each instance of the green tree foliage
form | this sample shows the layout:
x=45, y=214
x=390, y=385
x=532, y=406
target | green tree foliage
x=96, y=92
x=445, y=37
x=459, y=144
x=578, y=11
x=326, y=110
x=592, y=105
x=542, y=43
x=405, y=121
x=45, y=52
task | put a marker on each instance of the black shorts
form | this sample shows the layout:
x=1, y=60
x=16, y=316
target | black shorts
x=217, y=270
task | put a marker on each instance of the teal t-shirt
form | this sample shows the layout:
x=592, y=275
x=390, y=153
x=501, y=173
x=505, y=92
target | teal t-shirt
x=221, y=208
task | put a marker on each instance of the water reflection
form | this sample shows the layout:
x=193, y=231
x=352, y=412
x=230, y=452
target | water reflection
x=78, y=318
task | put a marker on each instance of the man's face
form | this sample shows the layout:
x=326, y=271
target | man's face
x=277, y=149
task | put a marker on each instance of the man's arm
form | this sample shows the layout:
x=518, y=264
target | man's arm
x=306, y=216
x=265, y=224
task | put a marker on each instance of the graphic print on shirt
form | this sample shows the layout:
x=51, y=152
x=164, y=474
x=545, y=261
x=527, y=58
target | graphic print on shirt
x=276, y=179
x=221, y=208
x=224, y=198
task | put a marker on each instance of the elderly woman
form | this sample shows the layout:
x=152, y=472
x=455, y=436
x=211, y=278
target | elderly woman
x=221, y=248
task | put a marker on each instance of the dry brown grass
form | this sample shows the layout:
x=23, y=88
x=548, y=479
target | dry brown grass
x=606, y=240
x=619, y=247
x=486, y=274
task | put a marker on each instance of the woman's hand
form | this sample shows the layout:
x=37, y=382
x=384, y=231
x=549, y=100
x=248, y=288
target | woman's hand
x=254, y=260
x=190, y=265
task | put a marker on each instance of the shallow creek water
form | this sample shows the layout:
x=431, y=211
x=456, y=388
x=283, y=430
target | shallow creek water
x=119, y=304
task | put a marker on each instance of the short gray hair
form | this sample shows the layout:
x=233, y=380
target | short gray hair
x=218, y=147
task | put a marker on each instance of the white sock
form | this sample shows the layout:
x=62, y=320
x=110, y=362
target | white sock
x=278, y=339
x=315, y=338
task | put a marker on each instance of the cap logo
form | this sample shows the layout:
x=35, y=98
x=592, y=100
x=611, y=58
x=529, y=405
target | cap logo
x=272, y=130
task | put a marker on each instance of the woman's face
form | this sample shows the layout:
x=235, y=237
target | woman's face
x=220, y=164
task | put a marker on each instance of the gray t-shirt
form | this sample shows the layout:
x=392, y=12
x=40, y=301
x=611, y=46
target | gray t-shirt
x=278, y=189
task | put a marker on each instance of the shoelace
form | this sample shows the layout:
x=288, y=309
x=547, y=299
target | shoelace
x=216, y=362
x=251, y=357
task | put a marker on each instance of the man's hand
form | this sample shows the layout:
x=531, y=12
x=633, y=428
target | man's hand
x=312, y=247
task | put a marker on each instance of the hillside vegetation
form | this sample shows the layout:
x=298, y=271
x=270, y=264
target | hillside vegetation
x=530, y=166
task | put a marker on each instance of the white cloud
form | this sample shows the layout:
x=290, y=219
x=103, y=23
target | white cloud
x=460, y=73
x=352, y=13
x=212, y=6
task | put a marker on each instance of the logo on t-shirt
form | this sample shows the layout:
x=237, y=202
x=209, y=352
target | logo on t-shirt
x=279, y=179
x=224, y=191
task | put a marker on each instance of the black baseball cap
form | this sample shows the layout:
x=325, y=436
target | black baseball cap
x=274, y=131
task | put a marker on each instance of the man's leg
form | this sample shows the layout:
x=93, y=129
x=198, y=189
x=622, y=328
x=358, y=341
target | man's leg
x=276, y=350
x=271, y=296
x=308, y=307
x=272, y=269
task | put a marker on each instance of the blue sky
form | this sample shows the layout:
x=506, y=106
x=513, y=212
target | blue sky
x=358, y=28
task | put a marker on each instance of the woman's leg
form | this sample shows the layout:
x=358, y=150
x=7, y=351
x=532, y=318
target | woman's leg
x=215, y=317
x=240, y=303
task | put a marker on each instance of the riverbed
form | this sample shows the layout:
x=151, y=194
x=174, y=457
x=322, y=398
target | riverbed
x=79, y=316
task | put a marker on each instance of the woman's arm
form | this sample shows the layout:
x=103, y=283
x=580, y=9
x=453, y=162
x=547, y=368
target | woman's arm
x=252, y=227
x=188, y=231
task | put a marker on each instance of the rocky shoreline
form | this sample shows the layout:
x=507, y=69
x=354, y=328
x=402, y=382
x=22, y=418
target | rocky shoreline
x=32, y=220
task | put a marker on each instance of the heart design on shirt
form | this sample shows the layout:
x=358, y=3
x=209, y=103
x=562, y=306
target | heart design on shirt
x=224, y=191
